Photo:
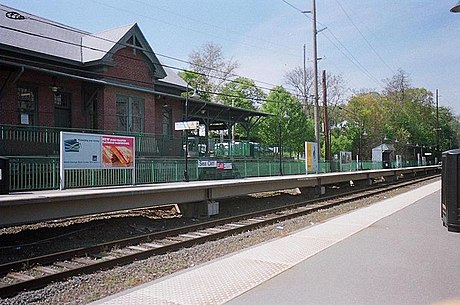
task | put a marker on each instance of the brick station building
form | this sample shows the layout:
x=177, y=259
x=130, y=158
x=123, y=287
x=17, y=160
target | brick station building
x=61, y=78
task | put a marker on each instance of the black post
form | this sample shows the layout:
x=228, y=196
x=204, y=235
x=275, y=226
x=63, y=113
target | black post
x=186, y=176
x=280, y=145
x=437, y=129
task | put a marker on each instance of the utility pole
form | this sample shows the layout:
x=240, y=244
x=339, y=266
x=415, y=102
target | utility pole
x=327, y=151
x=315, y=79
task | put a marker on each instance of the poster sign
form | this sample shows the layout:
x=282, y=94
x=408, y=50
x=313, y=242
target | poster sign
x=186, y=125
x=224, y=165
x=311, y=157
x=117, y=151
x=87, y=151
x=345, y=157
x=346, y=161
x=80, y=150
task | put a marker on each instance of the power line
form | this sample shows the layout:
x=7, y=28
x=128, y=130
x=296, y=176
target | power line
x=294, y=7
x=126, y=45
x=362, y=35
x=30, y=17
x=350, y=56
x=198, y=31
x=227, y=30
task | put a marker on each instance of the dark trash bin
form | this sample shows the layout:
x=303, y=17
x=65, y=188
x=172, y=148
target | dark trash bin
x=450, y=203
x=4, y=176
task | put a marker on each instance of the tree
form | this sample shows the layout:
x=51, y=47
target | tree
x=404, y=116
x=209, y=70
x=397, y=86
x=287, y=114
x=243, y=93
x=302, y=82
x=365, y=112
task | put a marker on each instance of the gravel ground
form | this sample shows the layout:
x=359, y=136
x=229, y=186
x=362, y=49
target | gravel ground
x=86, y=288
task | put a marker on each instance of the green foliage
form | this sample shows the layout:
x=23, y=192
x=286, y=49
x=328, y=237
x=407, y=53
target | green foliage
x=288, y=120
x=242, y=93
x=199, y=82
x=401, y=115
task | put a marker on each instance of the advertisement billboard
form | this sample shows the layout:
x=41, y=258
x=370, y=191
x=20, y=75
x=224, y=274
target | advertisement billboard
x=311, y=157
x=92, y=151
x=80, y=150
x=117, y=151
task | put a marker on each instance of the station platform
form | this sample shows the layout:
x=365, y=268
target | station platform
x=395, y=251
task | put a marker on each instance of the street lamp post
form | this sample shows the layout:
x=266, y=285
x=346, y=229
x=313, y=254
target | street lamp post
x=194, y=95
x=315, y=76
x=437, y=129
x=280, y=144
x=186, y=176
x=362, y=133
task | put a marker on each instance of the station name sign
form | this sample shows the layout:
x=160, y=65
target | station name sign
x=215, y=164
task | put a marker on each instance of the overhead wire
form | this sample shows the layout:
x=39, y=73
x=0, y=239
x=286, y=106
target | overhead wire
x=365, y=39
x=348, y=56
x=227, y=30
x=276, y=50
x=128, y=45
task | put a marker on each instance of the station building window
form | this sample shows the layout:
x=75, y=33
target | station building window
x=167, y=120
x=62, y=113
x=27, y=105
x=130, y=113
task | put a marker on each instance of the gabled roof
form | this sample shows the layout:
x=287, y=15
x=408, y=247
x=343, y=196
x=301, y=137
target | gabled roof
x=384, y=147
x=41, y=37
x=38, y=35
x=172, y=79
x=96, y=46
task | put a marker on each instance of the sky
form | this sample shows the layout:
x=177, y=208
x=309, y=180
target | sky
x=365, y=42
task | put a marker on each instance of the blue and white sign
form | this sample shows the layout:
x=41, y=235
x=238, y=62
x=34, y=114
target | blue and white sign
x=207, y=163
x=81, y=150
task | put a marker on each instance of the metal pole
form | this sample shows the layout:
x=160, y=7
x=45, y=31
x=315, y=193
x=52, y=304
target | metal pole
x=361, y=131
x=186, y=176
x=437, y=127
x=280, y=144
x=305, y=106
x=327, y=154
x=315, y=78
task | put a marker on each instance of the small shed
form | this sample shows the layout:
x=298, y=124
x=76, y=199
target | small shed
x=384, y=153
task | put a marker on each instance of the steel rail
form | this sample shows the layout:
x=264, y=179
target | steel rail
x=77, y=261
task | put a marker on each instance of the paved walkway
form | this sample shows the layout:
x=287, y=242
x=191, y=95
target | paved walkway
x=364, y=257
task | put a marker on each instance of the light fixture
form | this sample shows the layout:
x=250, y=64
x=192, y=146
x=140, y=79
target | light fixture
x=54, y=88
x=456, y=8
x=195, y=94
x=14, y=16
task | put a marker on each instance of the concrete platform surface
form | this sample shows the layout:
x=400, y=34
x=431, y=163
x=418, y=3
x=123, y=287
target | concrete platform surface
x=393, y=252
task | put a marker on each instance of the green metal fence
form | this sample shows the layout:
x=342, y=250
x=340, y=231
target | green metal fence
x=42, y=173
x=35, y=161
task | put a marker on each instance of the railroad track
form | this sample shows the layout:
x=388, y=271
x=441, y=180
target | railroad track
x=37, y=272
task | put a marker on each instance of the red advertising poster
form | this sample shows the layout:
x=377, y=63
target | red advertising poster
x=117, y=151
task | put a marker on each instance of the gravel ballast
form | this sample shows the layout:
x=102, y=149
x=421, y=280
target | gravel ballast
x=87, y=288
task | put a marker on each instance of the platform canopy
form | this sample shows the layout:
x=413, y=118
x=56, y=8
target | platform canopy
x=222, y=117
